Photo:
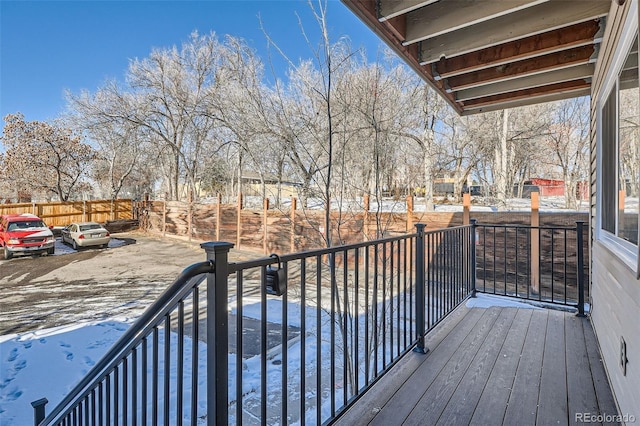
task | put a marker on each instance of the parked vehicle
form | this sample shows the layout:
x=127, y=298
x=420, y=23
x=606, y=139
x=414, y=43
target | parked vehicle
x=25, y=234
x=85, y=234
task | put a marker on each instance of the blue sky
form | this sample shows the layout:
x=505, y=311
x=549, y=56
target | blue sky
x=49, y=46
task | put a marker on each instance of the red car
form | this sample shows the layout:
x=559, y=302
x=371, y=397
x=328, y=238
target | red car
x=25, y=233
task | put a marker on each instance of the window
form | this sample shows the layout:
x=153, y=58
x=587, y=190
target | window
x=619, y=168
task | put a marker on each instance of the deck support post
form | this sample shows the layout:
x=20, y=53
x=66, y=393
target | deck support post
x=472, y=261
x=420, y=285
x=580, y=271
x=217, y=333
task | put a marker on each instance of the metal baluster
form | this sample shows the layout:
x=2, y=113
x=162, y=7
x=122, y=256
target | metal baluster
x=167, y=368
x=134, y=387
x=125, y=391
x=285, y=352
x=239, y=343
x=108, y=399
x=116, y=397
x=345, y=332
x=180, y=364
x=100, y=404
x=303, y=334
x=195, y=354
x=154, y=376
x=319, y=340
x=143, y=367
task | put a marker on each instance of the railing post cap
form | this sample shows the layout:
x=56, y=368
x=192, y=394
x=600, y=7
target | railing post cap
x=216, y=246
x=420, y=226
x=39, y=402
x=473, y=220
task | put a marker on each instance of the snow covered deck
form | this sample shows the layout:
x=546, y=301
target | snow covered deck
x=495, y=365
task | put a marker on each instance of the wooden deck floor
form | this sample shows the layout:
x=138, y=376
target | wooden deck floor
x=494, y=366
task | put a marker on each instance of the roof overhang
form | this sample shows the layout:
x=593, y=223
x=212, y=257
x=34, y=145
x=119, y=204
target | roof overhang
x=486, y=55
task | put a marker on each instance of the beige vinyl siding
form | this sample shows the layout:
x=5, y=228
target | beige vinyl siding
x=615, y=291
x=615, y=315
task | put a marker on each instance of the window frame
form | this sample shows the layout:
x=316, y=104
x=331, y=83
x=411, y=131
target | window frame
x=628, y=252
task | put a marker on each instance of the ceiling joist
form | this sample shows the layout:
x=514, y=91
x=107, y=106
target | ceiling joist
x=447, y=16
x=576, y=35
x=557, y=88
x=584, y=71
x=531, y=21
x=392, y=9
x=558, y=60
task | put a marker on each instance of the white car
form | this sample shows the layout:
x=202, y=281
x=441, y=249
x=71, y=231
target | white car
x=84, y=234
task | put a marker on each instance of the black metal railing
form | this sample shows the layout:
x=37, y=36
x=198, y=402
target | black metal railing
x=134, y=382
x=541, y=263
x=298, y=338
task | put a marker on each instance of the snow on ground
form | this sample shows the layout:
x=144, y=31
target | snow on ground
x=483, y=300
x=62, y=248
x=48, y=363
x=548, y=204
x=489, y=300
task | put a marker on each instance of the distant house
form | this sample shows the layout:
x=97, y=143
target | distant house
x=252, y=185
x=547, y=187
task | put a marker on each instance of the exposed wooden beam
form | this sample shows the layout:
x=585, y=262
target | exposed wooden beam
x=446, y=16
x=527, y=101
x=533, y=20
x=557, y=76
x=553, y=41
x=564, y=59
x=562, y=88
x=391, y=9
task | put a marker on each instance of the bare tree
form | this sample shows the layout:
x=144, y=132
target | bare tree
x=568, y=138
x=44, y=157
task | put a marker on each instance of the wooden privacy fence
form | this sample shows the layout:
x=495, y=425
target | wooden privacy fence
x=292, y=230
x=62, y=213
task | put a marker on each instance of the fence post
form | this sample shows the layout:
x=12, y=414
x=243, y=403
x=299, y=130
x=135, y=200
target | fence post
x=367, y=206
x=217, y=333
x=239, y=222
x=294, y=205
x=164, y=215
x=265, y=231
x=190, y=213
x=38, y=410
x=218, y=216
x=466, y=208
x=409, y=212
x=473, y=256
x=420, y=283
x=580, y=258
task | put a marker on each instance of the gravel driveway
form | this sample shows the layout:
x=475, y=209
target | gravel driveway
x=46, y=291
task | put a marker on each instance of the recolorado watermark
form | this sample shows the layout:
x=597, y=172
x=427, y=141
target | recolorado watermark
x=604, y=418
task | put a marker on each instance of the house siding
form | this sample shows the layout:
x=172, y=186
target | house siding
x=615, y=291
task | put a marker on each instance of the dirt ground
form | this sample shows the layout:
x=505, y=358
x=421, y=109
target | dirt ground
x=121, y=281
